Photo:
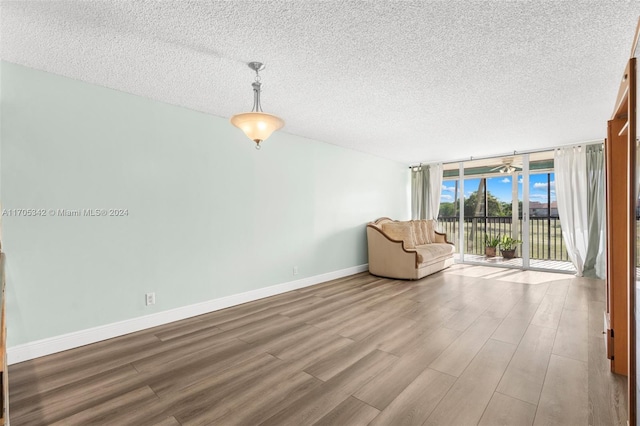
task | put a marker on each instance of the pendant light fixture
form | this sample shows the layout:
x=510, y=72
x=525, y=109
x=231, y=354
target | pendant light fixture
x=257, y=125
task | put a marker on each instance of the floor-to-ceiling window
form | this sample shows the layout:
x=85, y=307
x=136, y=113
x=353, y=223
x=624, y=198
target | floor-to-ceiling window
x=475, y=214
x=449, y=210
x=493, y=205
x=546, y=245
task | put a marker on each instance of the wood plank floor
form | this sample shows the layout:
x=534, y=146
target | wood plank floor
x=469, y=345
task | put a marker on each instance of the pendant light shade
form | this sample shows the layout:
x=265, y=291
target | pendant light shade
x=257, y=125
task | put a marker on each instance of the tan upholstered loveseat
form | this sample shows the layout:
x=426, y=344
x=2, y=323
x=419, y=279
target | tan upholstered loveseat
x=407, y=249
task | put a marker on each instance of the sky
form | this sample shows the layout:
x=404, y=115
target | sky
x=500, y=187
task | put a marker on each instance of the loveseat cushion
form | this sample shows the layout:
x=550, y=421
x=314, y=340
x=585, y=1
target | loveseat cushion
x=401, y=231
x=428, y=230
x=431, y=253
x=418, y=232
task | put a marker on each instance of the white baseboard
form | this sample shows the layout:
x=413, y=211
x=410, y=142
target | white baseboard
x=76, y=339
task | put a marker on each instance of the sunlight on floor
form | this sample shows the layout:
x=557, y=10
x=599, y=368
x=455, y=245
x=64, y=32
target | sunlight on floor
x=547, y=265
x=510, y=275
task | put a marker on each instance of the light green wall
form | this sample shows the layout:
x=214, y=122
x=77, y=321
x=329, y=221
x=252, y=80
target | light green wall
x=209, y=216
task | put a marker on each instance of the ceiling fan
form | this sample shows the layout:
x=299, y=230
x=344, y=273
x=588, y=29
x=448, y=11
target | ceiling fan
x=508, y=166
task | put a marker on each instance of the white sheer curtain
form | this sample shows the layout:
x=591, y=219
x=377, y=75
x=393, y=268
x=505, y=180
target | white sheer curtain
x=426, y=186
x=435, y=189
x=418, y=193
x=570, y=166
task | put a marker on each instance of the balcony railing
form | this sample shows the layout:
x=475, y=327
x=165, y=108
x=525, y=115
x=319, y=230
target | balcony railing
x=545, y=235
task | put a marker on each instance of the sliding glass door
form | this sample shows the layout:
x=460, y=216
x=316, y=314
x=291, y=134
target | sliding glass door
x=509, y=196
x=449, y=211
x=546, y=245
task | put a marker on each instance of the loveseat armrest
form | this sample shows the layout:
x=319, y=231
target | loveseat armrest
x=441, y=237
x=388, y=257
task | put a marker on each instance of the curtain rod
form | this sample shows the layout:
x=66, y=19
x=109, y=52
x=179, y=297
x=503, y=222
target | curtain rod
x=531, y=151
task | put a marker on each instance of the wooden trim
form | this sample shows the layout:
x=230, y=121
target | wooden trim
x=631, y=228
x=621, y=231
x=617, y=243
x=621, y=109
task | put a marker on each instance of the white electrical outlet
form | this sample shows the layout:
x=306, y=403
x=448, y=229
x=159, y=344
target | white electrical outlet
x=295, y=270
x=150, y=299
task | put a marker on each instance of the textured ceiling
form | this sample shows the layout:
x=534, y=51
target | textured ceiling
x=406, y=80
